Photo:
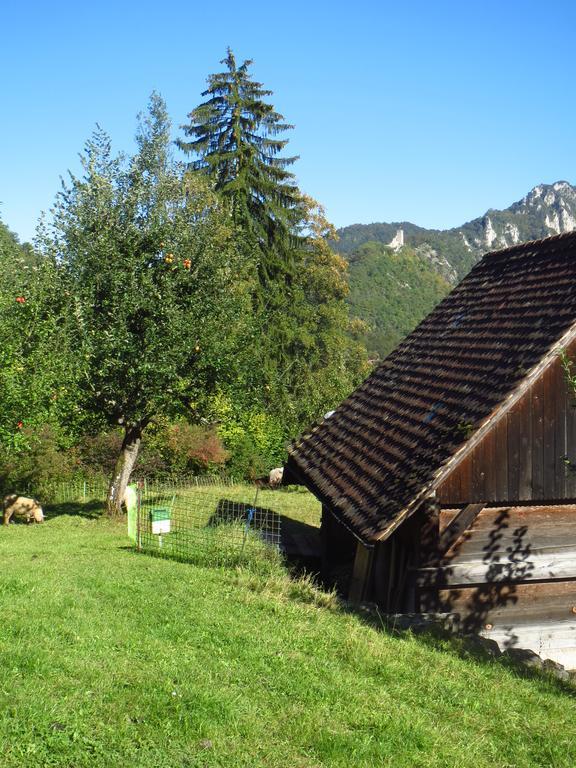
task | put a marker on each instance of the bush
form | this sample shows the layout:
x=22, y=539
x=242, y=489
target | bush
x=98, y=453
x=254, y=439
x=246, y=460
x=167, y=449
x=38, y=461
x=193, y=448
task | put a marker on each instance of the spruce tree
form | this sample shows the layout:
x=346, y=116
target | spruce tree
x=235, y=136
x=302, y=358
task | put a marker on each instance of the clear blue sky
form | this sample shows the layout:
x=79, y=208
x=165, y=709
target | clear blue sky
x=429, y=112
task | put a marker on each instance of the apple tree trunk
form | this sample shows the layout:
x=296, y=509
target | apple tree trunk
x=123, y=468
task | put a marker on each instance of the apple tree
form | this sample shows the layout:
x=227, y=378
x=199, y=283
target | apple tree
x=155, y=283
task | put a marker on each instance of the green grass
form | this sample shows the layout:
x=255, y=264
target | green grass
x=208, y=522
x=293, y=502
x=111, y=658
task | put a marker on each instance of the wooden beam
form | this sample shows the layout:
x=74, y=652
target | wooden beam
x=546, y=566
x=361, y=573
x=429, y=536
x=458, y=525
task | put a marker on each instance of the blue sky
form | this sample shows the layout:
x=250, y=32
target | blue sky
x=429, y=112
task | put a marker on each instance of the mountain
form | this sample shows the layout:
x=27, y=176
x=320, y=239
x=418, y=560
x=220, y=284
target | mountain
x=548, y=209
x=391, y=291
x=399, y=271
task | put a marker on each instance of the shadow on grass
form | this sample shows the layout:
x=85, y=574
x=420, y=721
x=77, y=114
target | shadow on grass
x=90, y=510
x=297, y=540
x=467, y=647
x=229, y=526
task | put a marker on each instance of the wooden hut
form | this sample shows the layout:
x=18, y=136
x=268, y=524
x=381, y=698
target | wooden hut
x=448, y=478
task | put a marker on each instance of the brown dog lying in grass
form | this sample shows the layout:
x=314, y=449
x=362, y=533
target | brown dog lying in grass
x=22, y=507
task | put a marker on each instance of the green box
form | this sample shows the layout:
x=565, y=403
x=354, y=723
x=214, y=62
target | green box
x=160, y=513
x=160, y=520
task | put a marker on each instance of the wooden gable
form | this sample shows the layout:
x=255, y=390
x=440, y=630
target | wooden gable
x=529, y=452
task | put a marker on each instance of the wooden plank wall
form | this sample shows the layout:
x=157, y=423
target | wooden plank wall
x=511, y=576
x=523, y=457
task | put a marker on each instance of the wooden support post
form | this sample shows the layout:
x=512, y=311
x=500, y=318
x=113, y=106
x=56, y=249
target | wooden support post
x=427, y=552
x=429, y=538
x=325, y=542
x=361, y=573
x=459, y=524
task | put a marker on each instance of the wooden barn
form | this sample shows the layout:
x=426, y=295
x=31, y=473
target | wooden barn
x=448, y=478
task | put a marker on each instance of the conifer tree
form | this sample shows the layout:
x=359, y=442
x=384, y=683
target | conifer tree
x=235, y=136
x=303, y=359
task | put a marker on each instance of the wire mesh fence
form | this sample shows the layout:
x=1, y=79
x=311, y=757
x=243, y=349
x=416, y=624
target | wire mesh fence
x=73, y=490
x=201, y=519
x=206, y=522
x=95, y=489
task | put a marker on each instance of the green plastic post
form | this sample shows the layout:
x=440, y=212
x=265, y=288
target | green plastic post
x=131, y=501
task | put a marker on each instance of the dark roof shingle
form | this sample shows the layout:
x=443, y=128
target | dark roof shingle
x=385, y=444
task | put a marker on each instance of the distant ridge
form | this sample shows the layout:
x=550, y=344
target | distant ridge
x=399, y=271
x=548, y=209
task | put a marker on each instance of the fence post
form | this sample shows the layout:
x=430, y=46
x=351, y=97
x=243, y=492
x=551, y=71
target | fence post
x=138, y=514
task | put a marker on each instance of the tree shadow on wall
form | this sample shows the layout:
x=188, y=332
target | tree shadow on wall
x=483, y=590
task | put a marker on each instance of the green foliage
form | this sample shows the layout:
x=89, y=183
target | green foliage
x=392, y=292
x=569, y=375
x=448, y=245
x=182, y=448
x=99, y=452
x=156, y=290
x=301, y=359
x=10, y=248
x=38, y=364
x=150, y=261
x=170, y=449
x=236, y=137
x=318, y=357
x=254, y=439
x=148, y=257
x=39, y=461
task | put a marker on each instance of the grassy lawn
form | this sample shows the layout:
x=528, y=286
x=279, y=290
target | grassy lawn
x=111, y=658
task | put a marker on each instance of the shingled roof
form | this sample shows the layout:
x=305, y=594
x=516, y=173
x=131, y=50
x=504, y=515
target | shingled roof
x=390, y=443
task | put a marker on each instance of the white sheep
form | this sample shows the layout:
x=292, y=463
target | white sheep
x=275, y=477
x=22, y=507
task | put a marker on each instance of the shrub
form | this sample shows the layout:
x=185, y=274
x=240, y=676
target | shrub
x=98, y=453
x=38, y=461
x=255, y=439
x=168, y=449
x=194, y=448
x=246, y=460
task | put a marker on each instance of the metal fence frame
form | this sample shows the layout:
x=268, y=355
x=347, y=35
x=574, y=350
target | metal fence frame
x=213, y=521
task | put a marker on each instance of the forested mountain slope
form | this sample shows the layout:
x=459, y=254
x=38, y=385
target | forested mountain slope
x=399, y=271
x=392, y=291
x=548, y=209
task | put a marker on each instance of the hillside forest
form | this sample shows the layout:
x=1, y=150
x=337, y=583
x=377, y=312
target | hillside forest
x=189, y=309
